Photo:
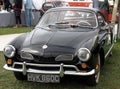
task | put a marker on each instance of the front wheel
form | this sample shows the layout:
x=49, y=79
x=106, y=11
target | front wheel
x=94, y=79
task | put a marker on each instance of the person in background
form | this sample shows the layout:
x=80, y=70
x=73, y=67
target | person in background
x=28, y=12
x=96, y=4
x=41, y=12
x=17, y=6
x=1, y=5
x=7, y=5
x=11, y=1
x=104, y=8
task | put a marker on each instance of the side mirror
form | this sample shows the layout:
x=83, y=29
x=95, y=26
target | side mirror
x=102, y=23
x=103, y=28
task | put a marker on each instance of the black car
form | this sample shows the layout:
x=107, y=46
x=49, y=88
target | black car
x=66, y=41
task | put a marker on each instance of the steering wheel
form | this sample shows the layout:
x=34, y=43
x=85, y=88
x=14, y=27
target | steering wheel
x=83, y=23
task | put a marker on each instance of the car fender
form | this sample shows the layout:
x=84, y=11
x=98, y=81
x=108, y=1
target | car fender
x=91, y=44
x=18, y=41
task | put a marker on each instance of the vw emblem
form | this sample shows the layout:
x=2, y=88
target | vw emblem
x=44, y=46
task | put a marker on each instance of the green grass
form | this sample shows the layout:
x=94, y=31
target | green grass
x=11, y=30
x=110, y=77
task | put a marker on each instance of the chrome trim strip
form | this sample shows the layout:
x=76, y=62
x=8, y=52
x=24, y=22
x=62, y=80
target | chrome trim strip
x=24, y=68
x=109, y=51
x=61, y=71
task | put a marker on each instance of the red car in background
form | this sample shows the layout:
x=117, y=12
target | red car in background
x=89, y=3
x=83, y=3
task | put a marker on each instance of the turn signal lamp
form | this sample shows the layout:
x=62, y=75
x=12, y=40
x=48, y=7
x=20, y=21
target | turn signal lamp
x=97, y=66
x=9, y=61
x=84, y=65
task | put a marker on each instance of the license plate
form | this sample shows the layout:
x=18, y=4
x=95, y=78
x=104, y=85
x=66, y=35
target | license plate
x=43, y=78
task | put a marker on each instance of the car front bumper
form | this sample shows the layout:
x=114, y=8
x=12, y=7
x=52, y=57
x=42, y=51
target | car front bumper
x=60, y=72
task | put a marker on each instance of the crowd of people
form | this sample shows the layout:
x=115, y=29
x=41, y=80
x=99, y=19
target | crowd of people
x=16, y=6
x=5, y=4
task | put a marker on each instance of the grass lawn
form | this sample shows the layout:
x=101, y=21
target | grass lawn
x=110, y=77
x=11, y=30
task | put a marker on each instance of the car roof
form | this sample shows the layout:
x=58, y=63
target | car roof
x=73, y=8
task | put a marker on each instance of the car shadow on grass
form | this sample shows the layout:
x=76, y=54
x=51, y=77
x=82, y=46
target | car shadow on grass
x=68, y=82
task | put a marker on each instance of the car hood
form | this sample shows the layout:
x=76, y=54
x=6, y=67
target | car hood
x=57, y=41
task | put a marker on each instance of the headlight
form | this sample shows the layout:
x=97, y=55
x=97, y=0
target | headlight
x=9, y=51
x=83, y=54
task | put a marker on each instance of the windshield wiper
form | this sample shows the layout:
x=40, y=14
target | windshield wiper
x=62, y=23
x=74, y=26
x=59, y=25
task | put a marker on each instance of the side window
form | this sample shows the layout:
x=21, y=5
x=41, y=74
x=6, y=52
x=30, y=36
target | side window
x=101, y=20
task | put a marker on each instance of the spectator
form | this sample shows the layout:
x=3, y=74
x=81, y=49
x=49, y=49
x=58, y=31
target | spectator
x=1, y=5
x=28, y=12
x=103, y=5
x=7, y=5
x=11, y=1
x=41, y=12
x=96, y=4
x=104, y=8
x=17, y=4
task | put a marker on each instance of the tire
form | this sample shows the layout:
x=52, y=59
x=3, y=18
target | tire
x=20, y=76
x=111, y=36
x=110, y=54
x=94, y=79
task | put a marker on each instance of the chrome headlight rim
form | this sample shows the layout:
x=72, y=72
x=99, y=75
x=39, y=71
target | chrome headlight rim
x=12, y=54
x=88, y=55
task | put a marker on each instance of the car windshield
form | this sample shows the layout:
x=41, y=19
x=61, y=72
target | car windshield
x=68, y=18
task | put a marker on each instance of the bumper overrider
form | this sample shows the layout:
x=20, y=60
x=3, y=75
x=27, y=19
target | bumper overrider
x=60, y=72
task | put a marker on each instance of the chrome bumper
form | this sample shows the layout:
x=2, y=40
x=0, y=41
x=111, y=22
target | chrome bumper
x=60, y=72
